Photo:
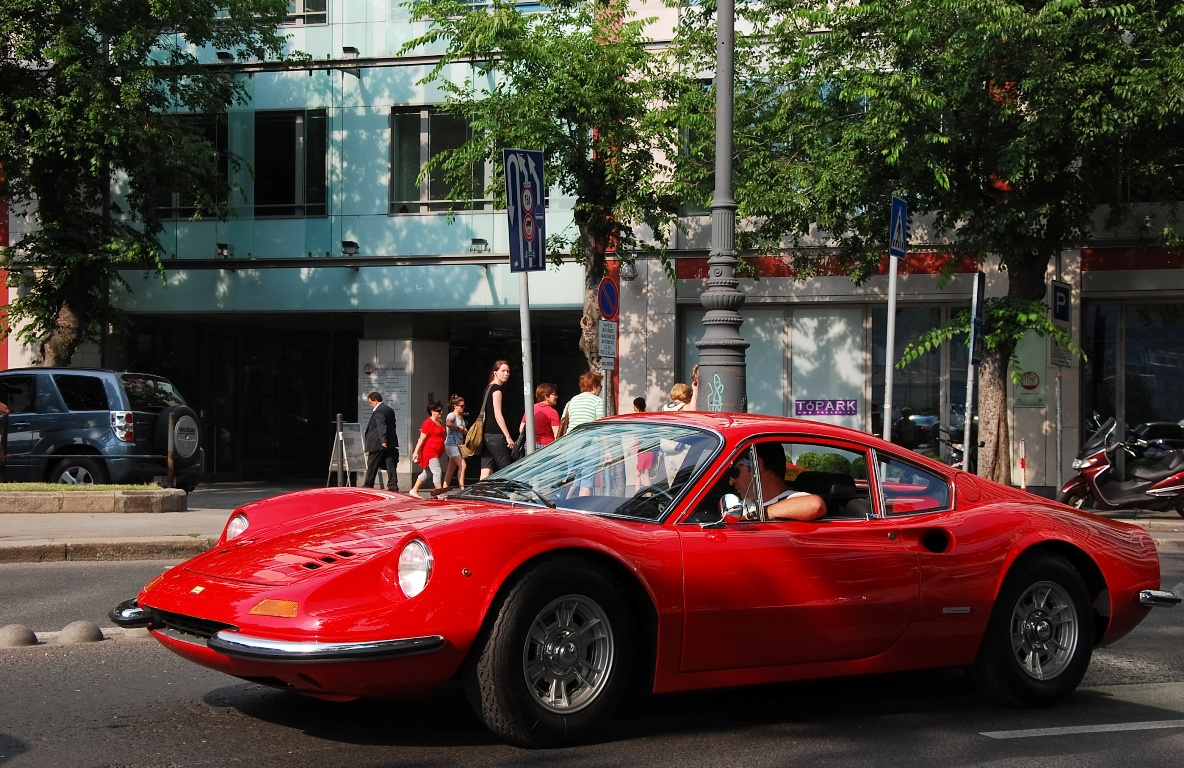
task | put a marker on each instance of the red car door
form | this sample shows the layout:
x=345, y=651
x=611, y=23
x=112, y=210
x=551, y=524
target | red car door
x=767, y=593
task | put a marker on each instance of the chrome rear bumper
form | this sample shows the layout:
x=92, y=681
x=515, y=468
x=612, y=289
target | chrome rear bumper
x=1158, y=597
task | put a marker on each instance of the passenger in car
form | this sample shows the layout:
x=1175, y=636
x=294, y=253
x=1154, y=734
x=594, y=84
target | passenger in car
x=779, y=501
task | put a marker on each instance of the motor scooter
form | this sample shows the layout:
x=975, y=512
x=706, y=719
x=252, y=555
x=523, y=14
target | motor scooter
x=1157, y=475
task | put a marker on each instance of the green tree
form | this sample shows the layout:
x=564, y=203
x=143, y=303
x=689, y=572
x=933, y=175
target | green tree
x=1007, y=126
x=578, y=83
x=92, y=134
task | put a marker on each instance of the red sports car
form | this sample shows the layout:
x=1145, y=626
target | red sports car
x=572, y=577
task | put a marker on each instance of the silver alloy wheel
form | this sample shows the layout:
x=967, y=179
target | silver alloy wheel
x=77, y=475
x=568, y=655
x=1044, y=630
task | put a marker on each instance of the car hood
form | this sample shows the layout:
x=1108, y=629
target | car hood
x=329, y=542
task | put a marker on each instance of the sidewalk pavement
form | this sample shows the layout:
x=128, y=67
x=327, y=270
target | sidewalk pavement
x=26, y=538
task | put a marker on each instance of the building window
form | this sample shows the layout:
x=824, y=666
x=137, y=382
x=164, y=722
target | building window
x=290, y=163
x=184, y=204
x=417, y=135
x=305, y=12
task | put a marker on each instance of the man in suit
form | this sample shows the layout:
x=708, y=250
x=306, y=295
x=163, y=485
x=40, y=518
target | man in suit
x=381, y=443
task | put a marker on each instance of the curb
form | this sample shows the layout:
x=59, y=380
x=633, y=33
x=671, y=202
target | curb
x=49, y=502
x=104, y=551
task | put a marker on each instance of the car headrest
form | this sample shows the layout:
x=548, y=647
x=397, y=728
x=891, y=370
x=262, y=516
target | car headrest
x=826, y=483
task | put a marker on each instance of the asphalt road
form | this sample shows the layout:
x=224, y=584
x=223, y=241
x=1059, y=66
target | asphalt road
x=128, y=702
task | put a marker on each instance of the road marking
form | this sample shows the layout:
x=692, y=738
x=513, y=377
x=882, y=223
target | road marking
x=1075, y=729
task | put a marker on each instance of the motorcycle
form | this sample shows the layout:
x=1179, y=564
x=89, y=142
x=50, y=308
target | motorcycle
x=1156, y=475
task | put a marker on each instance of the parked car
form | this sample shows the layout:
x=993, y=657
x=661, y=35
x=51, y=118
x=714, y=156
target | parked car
x=573, y=577
x=89, y=426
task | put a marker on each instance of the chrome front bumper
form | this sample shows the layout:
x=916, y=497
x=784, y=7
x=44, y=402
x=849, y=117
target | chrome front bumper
x=243, y=646
x=1158, y=597
x=233, y=643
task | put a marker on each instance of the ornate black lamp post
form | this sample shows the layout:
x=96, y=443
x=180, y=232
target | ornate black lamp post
x=722, y=384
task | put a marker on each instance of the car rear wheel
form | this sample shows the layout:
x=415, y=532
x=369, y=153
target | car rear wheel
x=79, y=470
x=1039, y=641
x=557, y=659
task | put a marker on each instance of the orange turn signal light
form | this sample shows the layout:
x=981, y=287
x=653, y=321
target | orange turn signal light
x=285, y=609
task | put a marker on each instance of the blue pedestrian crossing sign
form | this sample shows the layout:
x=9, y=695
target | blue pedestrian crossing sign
x=898, y=232
x=525, y=195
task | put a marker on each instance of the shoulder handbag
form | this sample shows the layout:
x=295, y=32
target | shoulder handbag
x=563, y=423
x=475, y=437
x=519, y=449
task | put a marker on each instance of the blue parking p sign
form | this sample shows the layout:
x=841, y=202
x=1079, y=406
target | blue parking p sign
x=525, y=192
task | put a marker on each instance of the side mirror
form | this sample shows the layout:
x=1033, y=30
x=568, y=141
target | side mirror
x=732, y=509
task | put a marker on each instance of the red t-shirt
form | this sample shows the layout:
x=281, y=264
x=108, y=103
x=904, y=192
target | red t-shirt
x=433, y=444
x=545, y=421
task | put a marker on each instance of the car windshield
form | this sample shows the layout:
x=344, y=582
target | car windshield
x=630, y=468
x=150, y=393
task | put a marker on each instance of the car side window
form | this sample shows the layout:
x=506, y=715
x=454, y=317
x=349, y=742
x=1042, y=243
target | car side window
x=82, y=393
x=838, y=475
x=17, y=393
x=908, y=489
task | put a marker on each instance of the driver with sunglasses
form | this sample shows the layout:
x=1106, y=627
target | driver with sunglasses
x=779, y=501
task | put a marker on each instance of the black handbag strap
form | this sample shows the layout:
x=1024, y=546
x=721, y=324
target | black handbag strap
x=484, y=402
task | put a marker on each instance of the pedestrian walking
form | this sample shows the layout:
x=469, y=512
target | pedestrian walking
x=546, y=418
x=586, y=406
x=497, y=435
x=381, y=444
x=429, y=449
x=680, y=398
x=455, y=429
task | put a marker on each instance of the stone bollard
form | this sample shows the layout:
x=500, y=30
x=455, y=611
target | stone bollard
x=80, y=632
x=16, y=635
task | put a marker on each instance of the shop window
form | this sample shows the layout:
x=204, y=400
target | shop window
x=181, y=205
x=916, y=389
x=290, y=163
x=305, y=12
x=418, y=135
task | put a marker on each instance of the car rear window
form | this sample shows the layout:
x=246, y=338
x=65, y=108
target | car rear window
x=82, y=393
x=149, y=393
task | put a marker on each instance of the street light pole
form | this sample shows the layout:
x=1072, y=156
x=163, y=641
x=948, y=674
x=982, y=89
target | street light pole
x=722, y=384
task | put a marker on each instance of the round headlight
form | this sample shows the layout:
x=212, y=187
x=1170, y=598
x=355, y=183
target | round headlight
x=236, y=527
x=415, y=567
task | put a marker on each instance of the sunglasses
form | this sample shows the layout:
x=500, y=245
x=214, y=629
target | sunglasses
x=734, y=472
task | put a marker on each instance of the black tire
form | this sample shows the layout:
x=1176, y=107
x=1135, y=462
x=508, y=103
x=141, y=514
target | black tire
x=79, y=470
x=511, y=668
x=1039, y=641
x=1079, y=499
x=186, y=435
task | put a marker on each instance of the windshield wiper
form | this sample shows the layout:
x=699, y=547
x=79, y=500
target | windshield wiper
x=502, y=484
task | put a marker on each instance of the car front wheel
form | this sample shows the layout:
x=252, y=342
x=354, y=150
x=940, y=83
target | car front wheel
x=557, y=659
x=1039, y=641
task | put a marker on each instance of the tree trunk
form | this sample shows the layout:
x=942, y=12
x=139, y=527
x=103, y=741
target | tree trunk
x=595, y=246
x=994, y=430
x=57, y=347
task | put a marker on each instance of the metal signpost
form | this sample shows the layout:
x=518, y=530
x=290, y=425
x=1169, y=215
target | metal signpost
x=608, y=298
x=1062, y=304
x=525, y=192
x=975, y=357
x=898, y=245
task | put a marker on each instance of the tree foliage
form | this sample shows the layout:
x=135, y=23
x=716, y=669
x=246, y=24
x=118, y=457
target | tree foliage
x=579, y=83
x=1007, y=126
x=92, y=134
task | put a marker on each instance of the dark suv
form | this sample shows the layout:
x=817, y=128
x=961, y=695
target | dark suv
x=84, y=426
